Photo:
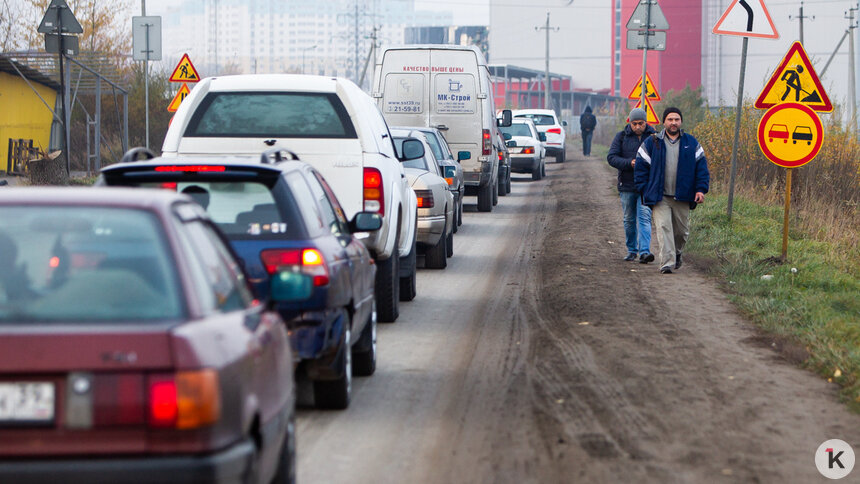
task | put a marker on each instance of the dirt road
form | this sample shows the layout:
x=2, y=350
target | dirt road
x=540, y=356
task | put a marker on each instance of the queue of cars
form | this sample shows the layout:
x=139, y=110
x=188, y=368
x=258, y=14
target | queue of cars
x=161, y=320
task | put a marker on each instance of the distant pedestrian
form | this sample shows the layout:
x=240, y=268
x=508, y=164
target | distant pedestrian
x=587, y=123
x=672, y=175
x=637, y=216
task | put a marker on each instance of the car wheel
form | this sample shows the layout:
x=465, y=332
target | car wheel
x=449, y=250
x=436, y=257
x=286, y=473
x=387, y=286
x=408, y=286
x=485, y=198
x=536, y=172
x=501, y=187
x=456, y=216
x=460, y=211
x=508, y=183
x=543, y=168
x=559, y=158
x=334, y=394
x=495, y=194
x=364, y=351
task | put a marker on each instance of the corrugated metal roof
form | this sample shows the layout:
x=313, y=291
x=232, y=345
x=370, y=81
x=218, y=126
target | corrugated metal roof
x=8, y=65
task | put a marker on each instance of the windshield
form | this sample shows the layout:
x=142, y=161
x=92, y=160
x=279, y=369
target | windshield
x=85, y=264
x=539, y=119
x=517, y=129
x=420, y=163
x=433, y=141
x=270, y=115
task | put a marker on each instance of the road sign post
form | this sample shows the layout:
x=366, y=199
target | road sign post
x=790, y=135
x=647, y=21
x=146, y=36
x=746, y=20
x=184, y=72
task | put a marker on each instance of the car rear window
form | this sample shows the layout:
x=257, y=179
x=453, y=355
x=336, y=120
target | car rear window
x=85, y=264
x=433, y=141
x=516, y=130
x=241, y=209
x=270, y=115
x=539, y=119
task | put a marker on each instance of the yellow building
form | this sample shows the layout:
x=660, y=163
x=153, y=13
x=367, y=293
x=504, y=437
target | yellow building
x=22, y=114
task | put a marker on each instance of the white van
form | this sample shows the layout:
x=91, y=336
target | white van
x=445, y=87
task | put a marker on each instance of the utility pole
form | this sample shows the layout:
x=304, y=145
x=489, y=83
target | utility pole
x=547, y=82
x=852, y=79
x=800, y=18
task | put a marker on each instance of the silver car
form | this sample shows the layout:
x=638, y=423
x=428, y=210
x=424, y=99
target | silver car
x=450, y=168
x=436, y=207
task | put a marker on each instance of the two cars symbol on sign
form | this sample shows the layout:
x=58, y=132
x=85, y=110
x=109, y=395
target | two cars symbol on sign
x=793, y=122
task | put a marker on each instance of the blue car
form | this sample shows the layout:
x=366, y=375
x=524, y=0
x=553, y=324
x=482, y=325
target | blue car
x=280, y=214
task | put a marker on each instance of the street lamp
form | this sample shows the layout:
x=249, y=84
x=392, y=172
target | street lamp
x=305, y=49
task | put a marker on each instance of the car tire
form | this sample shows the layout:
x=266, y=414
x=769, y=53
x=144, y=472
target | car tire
x=495, y=194
x=536, y=174
x=485, y=198
x=543, y=168
x=364, y=351
x=387, y=286
x=508, y=183
x=286, y=473
x=436, y=257
x=456, y=216
x=449, y=250
x=408, y=284
x=460, y=211
x=559, y=158
x=335, y=394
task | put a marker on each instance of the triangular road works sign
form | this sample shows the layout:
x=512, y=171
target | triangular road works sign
x=747, y=18
x=651, y=116
x=178, y=98
x=795, y=81
x=185, y=71
x=636, y=93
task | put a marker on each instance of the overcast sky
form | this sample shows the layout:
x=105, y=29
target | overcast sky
x=466, y=12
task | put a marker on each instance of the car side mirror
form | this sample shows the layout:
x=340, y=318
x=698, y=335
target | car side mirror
x=290, y=287
x=542, y=136
x=507, y=136
x=365, y=222
x=511, y=144
x=564, y=123
x=412, y=149
x=507, y=118
x=464, y=155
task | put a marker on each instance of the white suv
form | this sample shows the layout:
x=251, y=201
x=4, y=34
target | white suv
x=547, y=122
x=333, y=126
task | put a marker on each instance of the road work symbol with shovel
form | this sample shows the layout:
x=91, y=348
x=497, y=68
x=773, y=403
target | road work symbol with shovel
x=792, y=81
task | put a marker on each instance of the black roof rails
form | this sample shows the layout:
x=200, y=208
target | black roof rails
x=132, y=154
x=277, y=155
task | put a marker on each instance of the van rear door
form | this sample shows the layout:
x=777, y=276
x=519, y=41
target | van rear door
x=405, y=87
x=454, y=98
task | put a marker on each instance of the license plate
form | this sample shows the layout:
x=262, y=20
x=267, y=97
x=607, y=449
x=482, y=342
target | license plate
x=515, y=150
x=22, y=402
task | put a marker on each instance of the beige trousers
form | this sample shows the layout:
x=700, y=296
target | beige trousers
x=672, y=223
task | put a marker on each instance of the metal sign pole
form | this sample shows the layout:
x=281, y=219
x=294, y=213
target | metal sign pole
x=740, y=106
x=785, y=216
x=146, y=85
x=63, y=95
x=645, y=58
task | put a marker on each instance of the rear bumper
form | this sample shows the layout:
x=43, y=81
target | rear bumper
x=430, y=229
x=317, y=334
x=228, y=465
x=523, y=163
x=554, y=150
x=479, y=179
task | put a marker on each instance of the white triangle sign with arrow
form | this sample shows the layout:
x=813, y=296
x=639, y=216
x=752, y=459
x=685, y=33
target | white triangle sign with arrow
x=747, y=18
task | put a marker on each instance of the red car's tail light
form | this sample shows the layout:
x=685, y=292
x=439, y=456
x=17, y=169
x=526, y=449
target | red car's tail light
x=425, y=198
x=306, y=261
x=374, y=194
x=554, y=130
x=487, y=144
x=118, y=400
x=194, y=168
x=185, y=400
x=501, y=156
x=529, y=150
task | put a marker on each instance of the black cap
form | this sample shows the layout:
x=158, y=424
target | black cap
x=671, y=110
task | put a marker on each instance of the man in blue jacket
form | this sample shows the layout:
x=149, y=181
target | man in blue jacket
x=622, y=157
x=672, y=175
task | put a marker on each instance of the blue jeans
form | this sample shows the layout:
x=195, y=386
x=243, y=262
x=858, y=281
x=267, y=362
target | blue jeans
x=637, y=223
x=586, y=142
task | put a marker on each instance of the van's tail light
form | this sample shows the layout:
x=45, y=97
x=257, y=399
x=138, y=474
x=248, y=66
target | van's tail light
x=425, y=198
x=554, y=130
x=528, y=150
x=306, y=261
x=184, y=400
x=487, y=144
x=374, y=194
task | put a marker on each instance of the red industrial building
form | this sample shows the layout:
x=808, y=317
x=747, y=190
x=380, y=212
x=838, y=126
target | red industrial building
x=680, y=64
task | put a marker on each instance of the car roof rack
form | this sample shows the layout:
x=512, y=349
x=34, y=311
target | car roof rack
x=277, y=155
x=132, y=154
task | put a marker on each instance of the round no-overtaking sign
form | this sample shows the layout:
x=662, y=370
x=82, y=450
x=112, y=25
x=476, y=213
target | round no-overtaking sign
x=790, y=134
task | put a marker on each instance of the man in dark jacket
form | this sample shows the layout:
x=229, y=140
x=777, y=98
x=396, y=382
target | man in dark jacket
x=622, y=157
x=587, y=123
x=672, y=175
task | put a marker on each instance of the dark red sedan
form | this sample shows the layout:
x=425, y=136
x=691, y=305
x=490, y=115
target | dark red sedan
x=132, y=348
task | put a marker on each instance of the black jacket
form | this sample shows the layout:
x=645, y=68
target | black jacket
x=622, y=152
x=587, y=121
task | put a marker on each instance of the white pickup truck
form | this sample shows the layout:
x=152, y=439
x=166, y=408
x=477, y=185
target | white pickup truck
x=332, y=125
